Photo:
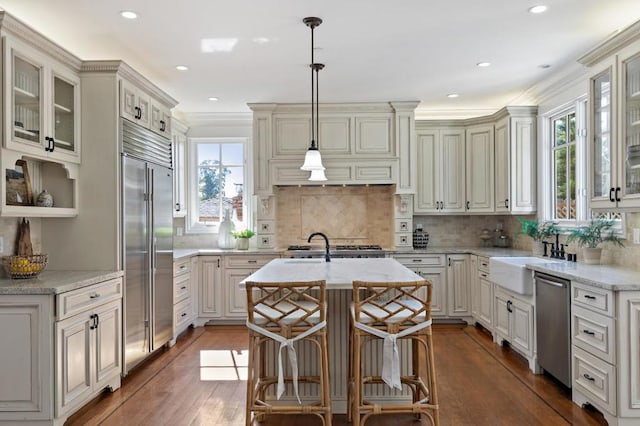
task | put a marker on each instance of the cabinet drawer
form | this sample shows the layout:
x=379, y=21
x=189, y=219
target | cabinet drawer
x=181, y=287
x=182, y=315
x=594, y=378
x=182, y=266
x=247, y=261
x=592, y=298
x=595, y=333
x=422, y=260
x=483, y=264
x=82, y=299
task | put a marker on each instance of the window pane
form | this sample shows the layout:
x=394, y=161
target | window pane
x=572, y=127
x=233, y=184
x=560, y=161
x=572, y=181
x=232, y=154
x=559, y=131
x=208, y=151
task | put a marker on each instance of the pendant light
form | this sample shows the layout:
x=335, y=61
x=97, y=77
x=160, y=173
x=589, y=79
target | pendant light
x=312, y=159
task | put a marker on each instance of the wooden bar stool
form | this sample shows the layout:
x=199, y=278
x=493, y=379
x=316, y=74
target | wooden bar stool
x=392, y=311
x=286, y=312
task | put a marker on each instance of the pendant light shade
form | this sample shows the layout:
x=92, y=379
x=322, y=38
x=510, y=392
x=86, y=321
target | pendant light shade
x=313, y=159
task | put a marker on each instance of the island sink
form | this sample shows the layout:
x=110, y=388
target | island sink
x=511, y=272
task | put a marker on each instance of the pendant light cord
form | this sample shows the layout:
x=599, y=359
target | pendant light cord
x=313, y=136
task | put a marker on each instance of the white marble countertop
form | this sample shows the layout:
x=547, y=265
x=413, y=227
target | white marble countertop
x=339, y=273
x=55, y=282
x=609, y=277
x=182, y=253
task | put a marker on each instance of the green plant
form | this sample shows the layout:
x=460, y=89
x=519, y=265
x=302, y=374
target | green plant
x=537, y=231
x=245, y=233
x=596, y=232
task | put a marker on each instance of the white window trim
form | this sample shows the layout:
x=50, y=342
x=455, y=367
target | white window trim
x=192, y=226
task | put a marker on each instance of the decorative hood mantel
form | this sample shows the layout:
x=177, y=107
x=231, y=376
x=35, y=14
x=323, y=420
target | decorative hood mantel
x=362, y=143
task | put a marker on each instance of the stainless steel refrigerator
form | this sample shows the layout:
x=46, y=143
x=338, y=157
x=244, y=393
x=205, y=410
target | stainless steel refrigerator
x=147, y=219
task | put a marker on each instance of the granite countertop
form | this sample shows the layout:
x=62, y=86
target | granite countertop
x=339, y=274
x=55, y=282
x=182, y=253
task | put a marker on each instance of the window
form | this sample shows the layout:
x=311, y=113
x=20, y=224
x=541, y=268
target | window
x=565, y=168
x=216, y=183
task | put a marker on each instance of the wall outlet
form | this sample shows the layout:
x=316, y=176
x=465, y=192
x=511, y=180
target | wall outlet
x=179, y=231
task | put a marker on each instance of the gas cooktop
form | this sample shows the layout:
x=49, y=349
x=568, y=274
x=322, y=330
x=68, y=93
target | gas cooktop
x=354, y=247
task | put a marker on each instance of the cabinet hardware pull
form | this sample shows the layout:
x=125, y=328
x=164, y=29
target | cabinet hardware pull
x=467, y=205
x=587, y=296
x=163, y=126
x=218, y=263
x=483, y=275
x=509, y=306
x=94, y=296
x=92, y=326
x=183, y=287
x=46, y=148
x=416, y=260
x=611, y=195
x=53, y=144
x=589, y=332
x=618, y=194
x=588, y=377
x=184, y=314
x=183, y=266
x=97, y=320
x=449, y=261
x=177, y=207
x=252, y=261
x=506, y=203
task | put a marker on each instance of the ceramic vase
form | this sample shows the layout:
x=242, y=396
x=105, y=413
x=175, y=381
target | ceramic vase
x=44, y=199
x=537, y=248
x=242, y=243
x=225, y=239
x=591, y=256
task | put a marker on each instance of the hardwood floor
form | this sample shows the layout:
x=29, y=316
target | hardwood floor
x=479, y=383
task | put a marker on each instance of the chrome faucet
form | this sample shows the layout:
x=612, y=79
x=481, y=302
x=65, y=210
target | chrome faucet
x=327, y=257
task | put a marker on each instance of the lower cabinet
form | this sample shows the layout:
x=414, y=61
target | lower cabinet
x=210, y=288
x=514, y=322
x=481, y=292
x=449, y=276
x=64, y=349
x=183, y=312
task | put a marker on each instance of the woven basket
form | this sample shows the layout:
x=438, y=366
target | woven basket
x=24, y=266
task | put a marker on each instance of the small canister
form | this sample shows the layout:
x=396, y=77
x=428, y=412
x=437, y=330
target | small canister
x=420, y=237
x=44, y=199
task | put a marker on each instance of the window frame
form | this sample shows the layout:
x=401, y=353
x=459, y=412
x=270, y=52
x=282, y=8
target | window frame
x=193, y=225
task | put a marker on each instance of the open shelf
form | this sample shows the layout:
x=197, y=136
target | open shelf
x=62, y=108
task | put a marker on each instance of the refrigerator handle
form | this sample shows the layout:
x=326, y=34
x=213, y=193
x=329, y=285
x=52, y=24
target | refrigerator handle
x=154, y=258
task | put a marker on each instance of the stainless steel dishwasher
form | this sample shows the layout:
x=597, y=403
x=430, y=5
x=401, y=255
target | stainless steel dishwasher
x=553, y=323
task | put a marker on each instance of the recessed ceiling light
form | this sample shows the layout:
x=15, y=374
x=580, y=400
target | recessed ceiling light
x=210, y=45
x=484, y=64
x=213, y=98
x=128, y=14
x=452, y=95
x=538, y=9
x=544, y=66
x=182, y=67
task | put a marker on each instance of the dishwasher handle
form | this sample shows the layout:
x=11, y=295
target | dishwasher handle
x=561, y=284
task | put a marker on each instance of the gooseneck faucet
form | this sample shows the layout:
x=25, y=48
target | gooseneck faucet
x=327, y=257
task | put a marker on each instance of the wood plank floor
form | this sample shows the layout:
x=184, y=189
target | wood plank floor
x=479, y=383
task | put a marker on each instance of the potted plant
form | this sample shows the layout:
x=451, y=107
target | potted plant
x=590, y=236
x=242, y=238
x=538, y=232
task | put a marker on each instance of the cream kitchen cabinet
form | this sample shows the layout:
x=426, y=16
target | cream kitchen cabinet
x=42, y=116
x=65, y=349
x=179, y=135
x=449, y=276
x=183, y=312
x=441, y=172
x=479, y=161
x=135, y=104
x=514, y=323
x=481, y=292
x=515, y=161
x=236, y=269
x=210, y=302
x=614, y=129
x=160, y=121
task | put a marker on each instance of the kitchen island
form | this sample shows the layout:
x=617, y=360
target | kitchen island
x=339, y=275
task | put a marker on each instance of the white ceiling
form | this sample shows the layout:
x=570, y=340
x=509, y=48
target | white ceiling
x=374, y=50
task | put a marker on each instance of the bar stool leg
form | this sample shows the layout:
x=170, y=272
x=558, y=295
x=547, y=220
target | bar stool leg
x=357, y=377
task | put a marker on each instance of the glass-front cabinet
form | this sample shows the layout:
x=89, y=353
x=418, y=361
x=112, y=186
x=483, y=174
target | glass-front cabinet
x=43, y=98
x=630, y=126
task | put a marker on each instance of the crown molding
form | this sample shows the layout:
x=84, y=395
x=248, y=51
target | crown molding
x=216, y=118
x=347, y=107
x=611, y=44
x=424, y=114
x=14, y=27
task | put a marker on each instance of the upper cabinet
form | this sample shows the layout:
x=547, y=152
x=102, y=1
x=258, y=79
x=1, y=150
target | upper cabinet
x=365, y=143
x=614, y=121
x=43, y=97
x=138, y=106
x=42, y=127
x=179, y=144
x=481, y=165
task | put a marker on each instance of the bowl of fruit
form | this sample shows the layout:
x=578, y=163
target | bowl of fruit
x=24, y=266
